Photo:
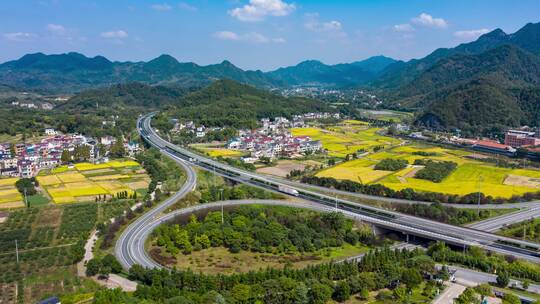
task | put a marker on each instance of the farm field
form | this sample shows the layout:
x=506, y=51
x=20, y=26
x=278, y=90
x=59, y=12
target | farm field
x=347, y=137
x=386, y=115
x=213, y=150
x=85, y=181
x=470, y=175
x=49, y=245
x=284, y=167
x=9, y=195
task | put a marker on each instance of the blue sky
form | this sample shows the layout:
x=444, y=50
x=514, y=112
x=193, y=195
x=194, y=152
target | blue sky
x=253, y=34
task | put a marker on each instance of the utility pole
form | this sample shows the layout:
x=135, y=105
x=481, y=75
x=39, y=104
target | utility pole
x=17, y=251
x=479, y=194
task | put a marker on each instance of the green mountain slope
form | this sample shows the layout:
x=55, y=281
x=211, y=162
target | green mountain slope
x=316, y=73
x=229, y=103
x=401, y=73
x=73, y=72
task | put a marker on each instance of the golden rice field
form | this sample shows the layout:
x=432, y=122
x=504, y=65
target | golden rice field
x=347, y=138
x=470, y=175
x=9, y=195
x=86, y=181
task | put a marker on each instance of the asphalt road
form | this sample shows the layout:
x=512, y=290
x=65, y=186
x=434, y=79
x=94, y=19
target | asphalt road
x=130, y=240
x=496, y=223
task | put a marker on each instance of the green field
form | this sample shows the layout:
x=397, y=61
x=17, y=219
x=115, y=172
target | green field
x=86, y=181
x=386, y=115
x=220, y=259
x=470, y=175
x=347, y=137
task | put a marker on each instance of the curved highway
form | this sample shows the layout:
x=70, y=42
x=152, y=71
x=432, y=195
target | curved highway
x=130, y=240
x=377, y=216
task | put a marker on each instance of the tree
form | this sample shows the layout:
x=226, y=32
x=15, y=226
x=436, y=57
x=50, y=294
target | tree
x=510, y=298
x=117, y=149
x=319, y=293
x=525, y=284
x=342, y=291
x=66, y=157
x=411, y=277
x=92, y=267
x=300, y=294
x=240, y=293
x=503, y=279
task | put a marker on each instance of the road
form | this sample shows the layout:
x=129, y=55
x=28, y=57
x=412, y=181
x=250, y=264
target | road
x=496, y=223
x=130, y=239
x=407, y=224
x=451, y=292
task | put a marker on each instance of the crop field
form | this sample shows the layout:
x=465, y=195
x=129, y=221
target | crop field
x=470, y=176
x=9, y=195
x=347, y=138
x=86, y=181
x=386, y=115
x=48, y=247
x=214, y=150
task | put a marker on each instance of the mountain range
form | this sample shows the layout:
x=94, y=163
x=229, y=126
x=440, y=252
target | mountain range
x=72, y=72
x=480, y=86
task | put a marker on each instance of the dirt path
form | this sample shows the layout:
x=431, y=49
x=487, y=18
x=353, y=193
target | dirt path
x=114, y=280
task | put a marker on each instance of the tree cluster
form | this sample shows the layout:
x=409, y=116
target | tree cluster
x=434, y=171
x=391, y=164
x=273, y=229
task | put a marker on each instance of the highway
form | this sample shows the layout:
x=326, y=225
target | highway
x=407, y=224
x=130, y=247
x=496, y=223
x=130, y=239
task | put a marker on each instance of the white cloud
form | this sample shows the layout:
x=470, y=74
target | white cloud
x=19, y=36
x=56, y=28
x=226, y=35
x=119, y=34
x=252, y=37
x=428, y=20
x=471, y=34
x=405, y=27
x=331, y=26
x=161, y=7
x=257, y=10
x=187, y=7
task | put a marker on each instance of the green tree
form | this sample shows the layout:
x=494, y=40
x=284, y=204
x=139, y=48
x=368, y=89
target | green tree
x=503, y=279
x=510, y=298
x=66, y=157
x=92, y=267
x=319, y=293
x=342, y=291
x=411, y=278
x=240, y=293
x=300, y=294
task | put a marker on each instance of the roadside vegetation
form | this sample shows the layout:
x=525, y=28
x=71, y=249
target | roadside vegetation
x=527, y=230
x=269, y=232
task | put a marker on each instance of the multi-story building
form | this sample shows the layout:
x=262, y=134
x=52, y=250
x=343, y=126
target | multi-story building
x=517, y=138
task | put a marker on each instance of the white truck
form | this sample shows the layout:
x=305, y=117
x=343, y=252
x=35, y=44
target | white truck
x=288, y=190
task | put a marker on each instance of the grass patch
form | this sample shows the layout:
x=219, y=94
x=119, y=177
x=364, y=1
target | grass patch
x=37, y=200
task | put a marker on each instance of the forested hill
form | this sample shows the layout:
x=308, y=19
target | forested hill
x=401, y=73
x=229, y=103
x=480, y=93
x=316, y=73
x=481, y=87
x=74, y=72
